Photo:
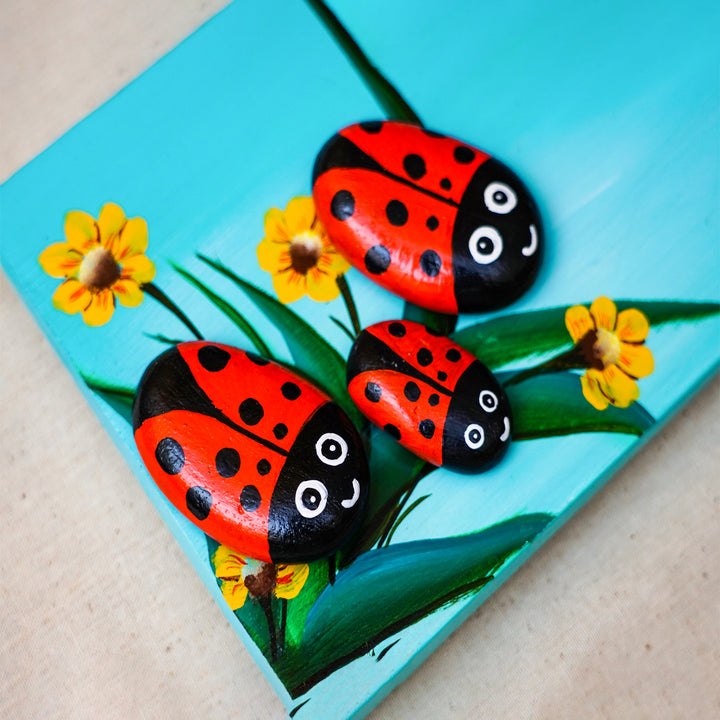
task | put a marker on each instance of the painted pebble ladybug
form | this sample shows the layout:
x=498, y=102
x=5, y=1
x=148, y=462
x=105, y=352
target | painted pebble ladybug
x=428, y=217
x=255, y=456
x=430, y=394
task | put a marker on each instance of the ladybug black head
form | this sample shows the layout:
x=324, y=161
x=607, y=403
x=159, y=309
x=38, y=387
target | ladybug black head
x=497, y=239
x=321, y=492
x=477, y=428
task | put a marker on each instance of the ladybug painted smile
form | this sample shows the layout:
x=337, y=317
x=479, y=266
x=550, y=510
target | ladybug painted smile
x=255, y=456
x=428, y=217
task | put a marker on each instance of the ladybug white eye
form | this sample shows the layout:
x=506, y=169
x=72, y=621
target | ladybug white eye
x=488, y=401
x=500, y=198
x=485, y=245
x=474, y=436
x=311, y=498
x=331, y=449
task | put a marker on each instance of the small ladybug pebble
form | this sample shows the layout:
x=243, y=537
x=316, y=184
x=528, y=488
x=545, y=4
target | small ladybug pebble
x=254, y=455
x=428, y=217
x=430, y=394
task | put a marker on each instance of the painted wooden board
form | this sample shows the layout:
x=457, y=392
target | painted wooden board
x=611, y=233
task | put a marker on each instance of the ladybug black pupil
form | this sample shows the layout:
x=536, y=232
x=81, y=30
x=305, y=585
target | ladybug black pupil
x=485, y=246
x=499, y=197
x=332, y=450
x=475, y=436
x=310, y=499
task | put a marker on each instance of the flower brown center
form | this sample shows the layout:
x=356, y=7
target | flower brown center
x=601, y=348
x=263, y=582
x=305, y=251
x=98, y=270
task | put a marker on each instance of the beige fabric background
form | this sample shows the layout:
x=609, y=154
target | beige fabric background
x=102, y=615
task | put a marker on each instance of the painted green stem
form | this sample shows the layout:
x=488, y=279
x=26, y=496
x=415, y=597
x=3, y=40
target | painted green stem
x=394, y=105
x=349, y=304
x=157, y=294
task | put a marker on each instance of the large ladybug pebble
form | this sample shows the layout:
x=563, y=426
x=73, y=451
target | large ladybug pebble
x=428, y=217
x=431, y=395
x=254, y=455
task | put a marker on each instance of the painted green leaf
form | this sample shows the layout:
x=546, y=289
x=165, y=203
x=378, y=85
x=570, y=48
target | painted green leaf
x=313, y=355
x=227, y=309
x=385, y=591
x=552, y=405
x=117, y=397
x=511, y=338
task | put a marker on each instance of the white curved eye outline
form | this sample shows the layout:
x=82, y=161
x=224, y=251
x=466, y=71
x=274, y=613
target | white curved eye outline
x=488, y=401
x=474, y=436
x=500, y=198
x=329, y=445
x=485, y=245
x=315, y=502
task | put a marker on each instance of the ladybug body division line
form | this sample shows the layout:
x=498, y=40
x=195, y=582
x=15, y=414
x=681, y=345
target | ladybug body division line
x=428, y=217
x=255, y=456
x=431, y=395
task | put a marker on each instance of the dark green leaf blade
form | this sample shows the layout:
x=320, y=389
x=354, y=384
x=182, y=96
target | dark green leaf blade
x=119, y=398
x=553, y=404
x=313, y=355
x=387, y=590
x=510, y=338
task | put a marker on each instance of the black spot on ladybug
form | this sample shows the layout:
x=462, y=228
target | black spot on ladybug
x=463, y=154
x=263, y=466
x=373, y=392
x=170, y=456
x=433, y=134
x=280, y=431
x=445, y=184
x=342, y=206
x=290, y=390
x=397, y=213
x=397, y=329
x=414, y=166
x=434, y=399
x=427, y=428
x=377, y=259
x=424, y=357
x=412, y=391
x=453, y=355
x=213, y=358
x=251, y=411
x=371, y=126
x=430, y=263
x=442, y=376
x=250, y=498
x=392, y=430
x=257, y=359
x=432, y=223
x=227, y=462
x=198, y=501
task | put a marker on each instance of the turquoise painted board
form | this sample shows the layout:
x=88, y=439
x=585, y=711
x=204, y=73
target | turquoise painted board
x=615, y=132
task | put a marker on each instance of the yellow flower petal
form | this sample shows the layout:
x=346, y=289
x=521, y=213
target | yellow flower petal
x=289, y=286
x=636, y=360
x=273, y=256
x=227, y=562
x=321, y=287
x=235, y=593
x=604, y=313
x=81, y=231
x=138, y=268
x=332, y=261
x=100, y=309
x=617, y=387
x=133, y=239
x=591, y=389
x=72, y=297
x=299, y=215
x=128, y=292
x=290, y=580
x=111, y=220
x=578, y=322
x=632, y=326
x=60, y=260
x=275, y=227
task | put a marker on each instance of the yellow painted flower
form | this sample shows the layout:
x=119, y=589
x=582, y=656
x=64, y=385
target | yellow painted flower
x=240, y=576
x=612, y=344
x=298, y=254
x=100, y=261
